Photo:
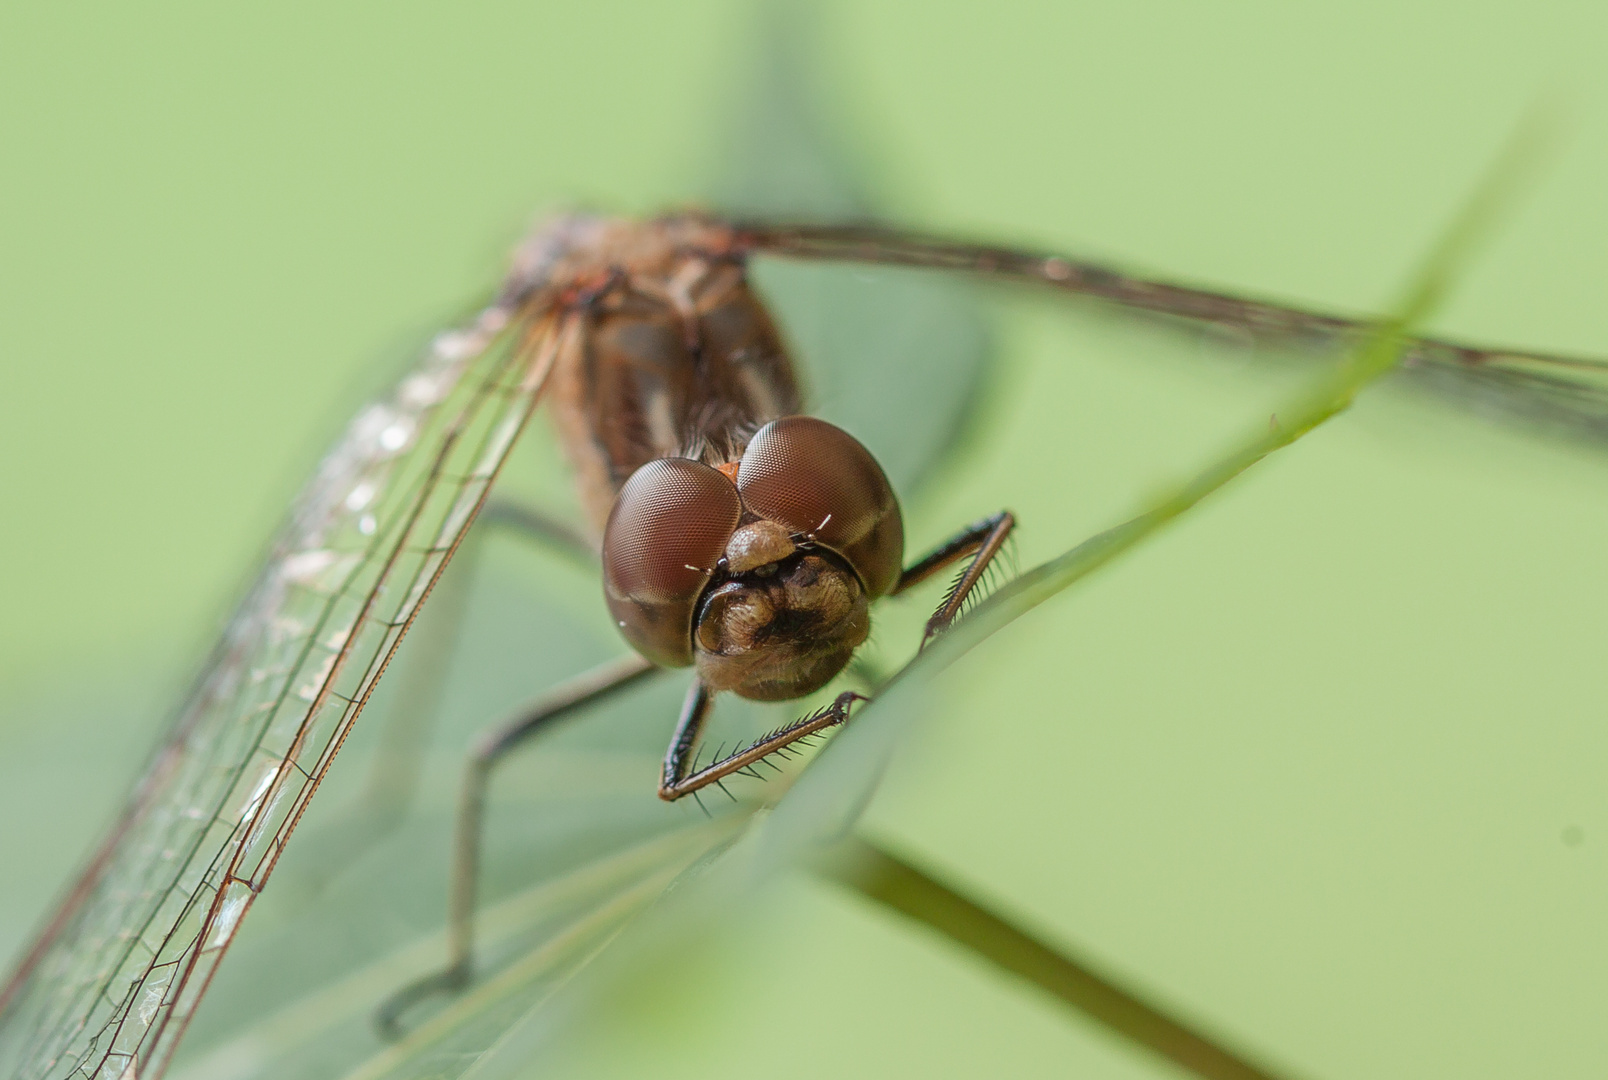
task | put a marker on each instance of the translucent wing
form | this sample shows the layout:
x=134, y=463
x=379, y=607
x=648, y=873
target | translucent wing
x=113, y=980
x=1566, y=393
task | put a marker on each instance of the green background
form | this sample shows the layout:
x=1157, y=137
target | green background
x=1323, y=767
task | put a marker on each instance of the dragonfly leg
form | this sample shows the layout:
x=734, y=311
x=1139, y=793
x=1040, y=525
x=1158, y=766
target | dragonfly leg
x=578, y=693
x=982, y=540
x=678, y=759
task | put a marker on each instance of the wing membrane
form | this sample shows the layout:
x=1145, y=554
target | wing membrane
x=1563, y=392
x=115, y=978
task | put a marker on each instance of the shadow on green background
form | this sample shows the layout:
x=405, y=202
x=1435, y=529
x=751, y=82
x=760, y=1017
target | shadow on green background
x=1323, y=766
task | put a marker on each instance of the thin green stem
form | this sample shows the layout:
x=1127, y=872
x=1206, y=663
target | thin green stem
x=891, y=881
x=1376, y=356
x=918, y=895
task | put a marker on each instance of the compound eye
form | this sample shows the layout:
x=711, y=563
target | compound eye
x=817, y=479
x=669, y=525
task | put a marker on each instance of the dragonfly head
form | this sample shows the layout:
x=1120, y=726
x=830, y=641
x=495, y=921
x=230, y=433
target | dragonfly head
x=760, y=574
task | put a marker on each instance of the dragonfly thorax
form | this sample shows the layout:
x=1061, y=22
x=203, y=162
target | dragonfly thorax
x=671, y=353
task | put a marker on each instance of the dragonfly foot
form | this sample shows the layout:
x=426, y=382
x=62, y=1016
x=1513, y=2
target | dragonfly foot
x=388, y=1017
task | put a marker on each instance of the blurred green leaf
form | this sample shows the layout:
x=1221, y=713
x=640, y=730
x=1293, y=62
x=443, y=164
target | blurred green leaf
x=899, y=358
x=353, y=914
x=827, y=799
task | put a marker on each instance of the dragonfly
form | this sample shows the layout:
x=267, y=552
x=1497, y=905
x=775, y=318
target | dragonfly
x=736, y=535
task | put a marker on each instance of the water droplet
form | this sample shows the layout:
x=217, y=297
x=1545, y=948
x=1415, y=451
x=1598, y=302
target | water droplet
x=305, y=566
x=396, y=436
x=360, y=496
x=151, y=1000
x=248, y=809
x=229, y=912
x=1057, y=269
x=453, y=345
x=309, y=690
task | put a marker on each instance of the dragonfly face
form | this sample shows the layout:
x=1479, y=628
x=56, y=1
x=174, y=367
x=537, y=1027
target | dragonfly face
x=760, y=571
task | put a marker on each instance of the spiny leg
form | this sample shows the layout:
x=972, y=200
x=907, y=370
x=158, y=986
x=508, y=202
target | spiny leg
x=982, y=540
x=674, y=783
x=578, y=693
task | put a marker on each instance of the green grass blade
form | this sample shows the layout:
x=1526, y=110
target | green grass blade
x=894, y=883
x=828, y=798
x=1332, y=396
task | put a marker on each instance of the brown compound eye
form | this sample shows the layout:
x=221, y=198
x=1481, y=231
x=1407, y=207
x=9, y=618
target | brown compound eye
x=669, y=525
x=817, y=479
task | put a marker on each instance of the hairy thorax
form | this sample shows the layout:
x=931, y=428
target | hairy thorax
x=669, y=353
